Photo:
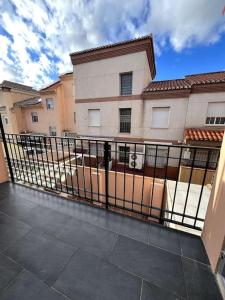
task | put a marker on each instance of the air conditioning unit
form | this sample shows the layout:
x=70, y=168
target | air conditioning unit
x=136, y=160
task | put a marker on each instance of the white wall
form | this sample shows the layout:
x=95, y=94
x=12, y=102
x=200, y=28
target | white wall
x=101, y=78
x=198, y=105
x=177, y=115
x=109, y=118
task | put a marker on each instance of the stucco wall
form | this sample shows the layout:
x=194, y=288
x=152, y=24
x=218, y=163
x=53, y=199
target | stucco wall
x=198, y=105
x=213, y=234
x=3, y=170
x=101, y=78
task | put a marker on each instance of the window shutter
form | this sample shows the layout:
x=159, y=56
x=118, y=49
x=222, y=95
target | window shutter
x=94, y=117
x=160, y=117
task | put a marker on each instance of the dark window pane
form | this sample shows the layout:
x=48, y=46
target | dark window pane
x=218, y=120
x=124, y=154
x=222, y=121
x=126, y=84
x=207, y=120
x=212, y=120
x=125, y=120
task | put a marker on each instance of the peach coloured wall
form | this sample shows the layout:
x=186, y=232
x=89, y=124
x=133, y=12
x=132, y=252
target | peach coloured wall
x=3, y=170
x=213, y=234
x=98, y=184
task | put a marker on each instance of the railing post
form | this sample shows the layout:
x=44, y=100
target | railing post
x=6, y=150
x=106, y=163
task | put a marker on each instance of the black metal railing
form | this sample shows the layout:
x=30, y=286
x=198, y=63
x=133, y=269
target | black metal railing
x=157, y=182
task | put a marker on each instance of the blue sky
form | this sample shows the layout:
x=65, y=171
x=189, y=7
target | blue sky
x=36, y=36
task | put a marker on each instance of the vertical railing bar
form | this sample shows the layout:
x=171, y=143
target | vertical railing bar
x=17, y=158
x=115, y=175
x=30, y=172
x=20, y=157
x=143, y=180
x=106, y=163
x=64, y=163
x=25, y=161
x=175, y=190
x=34, y=166
x=13, y=149
x=97, y=169
x=135, y=153
x=189, y=184
x=58, y=163
x=42, y=158
x=70, y=166
x=153, y=183
x=82, y=150
x=77, y=172
x=49, y=173
x=165, y=182
x=53, y=161
x=202, y=187
x=89, y=155
x=124, y=176
x=37, y=157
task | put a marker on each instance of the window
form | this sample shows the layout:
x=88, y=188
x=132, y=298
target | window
x=74, y=117
x=94, y=117
x=124, y=154
x=159, y=160
x=5, y=120
x=52, y=131
x=126, y=84
x=160, y=117
x=49, y=103
x=125, y=120
x=34, y=117
x=216, y=113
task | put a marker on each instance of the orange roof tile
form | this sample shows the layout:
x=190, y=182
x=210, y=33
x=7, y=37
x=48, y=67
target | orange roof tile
x=193, y=134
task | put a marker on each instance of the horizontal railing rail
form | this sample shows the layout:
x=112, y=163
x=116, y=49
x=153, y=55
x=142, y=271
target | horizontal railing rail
x=161, y=182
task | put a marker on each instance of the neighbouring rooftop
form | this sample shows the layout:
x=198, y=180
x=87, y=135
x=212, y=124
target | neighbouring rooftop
x=17, y=86
x=193, y=134
x=52, y=248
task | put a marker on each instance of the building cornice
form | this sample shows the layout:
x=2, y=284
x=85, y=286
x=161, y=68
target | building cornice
x=109, y=99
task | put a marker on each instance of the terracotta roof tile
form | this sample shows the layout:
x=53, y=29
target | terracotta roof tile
x=186, y=83
x=166, y=85
x=193, y=134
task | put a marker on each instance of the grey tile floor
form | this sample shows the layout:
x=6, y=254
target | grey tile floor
x=51, y=248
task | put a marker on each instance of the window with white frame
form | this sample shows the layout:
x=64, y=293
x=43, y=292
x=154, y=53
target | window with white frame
x=52, y=131
x=34, y=117
x=50, y=103
x=124, y=153
x=126, y=84
x=160, y=117
x=5, y=120
x=125, y=120
x=94, y=117
x=215, y=113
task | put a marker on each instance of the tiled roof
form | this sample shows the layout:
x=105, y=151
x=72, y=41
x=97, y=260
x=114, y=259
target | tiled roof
x=28, y=102
x=149, y=36
x=186, y=83
x=204, y=78
x=16, y=86
x=193, y=134
x=166, y=85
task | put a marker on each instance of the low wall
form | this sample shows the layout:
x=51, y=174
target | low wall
x=137, y=191
x=197, y=175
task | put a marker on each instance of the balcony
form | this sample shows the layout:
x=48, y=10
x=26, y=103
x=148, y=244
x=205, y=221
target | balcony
x=52, y=248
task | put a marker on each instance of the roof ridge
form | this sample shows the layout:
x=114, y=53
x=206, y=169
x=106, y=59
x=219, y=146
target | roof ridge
x=128, y=41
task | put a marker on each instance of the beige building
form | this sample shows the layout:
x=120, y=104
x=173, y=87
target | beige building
x=51, y=111
x=10, y=94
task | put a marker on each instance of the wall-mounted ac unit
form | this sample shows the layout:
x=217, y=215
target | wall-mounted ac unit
x=136, y=160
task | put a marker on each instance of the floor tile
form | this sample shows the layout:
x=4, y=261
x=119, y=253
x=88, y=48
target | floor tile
x=11, y=230
x=152, y=292
x=88, y=277
x=165, y=238
x=28, y=287
x=160, y=267
x=8, y=270
x=125, y=226
x=45, y=219
x=41, y=254
x=89, y=237
x=200, y=281
x=192, y=247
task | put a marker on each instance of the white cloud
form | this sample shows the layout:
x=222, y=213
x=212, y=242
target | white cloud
x=53, y=29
